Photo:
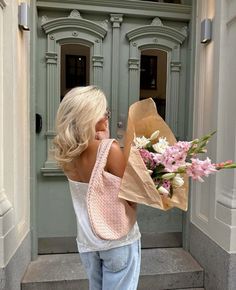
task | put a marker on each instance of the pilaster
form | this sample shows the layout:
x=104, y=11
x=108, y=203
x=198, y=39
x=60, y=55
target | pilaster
x=172, y=117
x=52, y=103
x=116, y=20
x=134, y=77
x=6, y=209
x=5, y=204
x=97, y=70
x=214, y=202
x=226, y=181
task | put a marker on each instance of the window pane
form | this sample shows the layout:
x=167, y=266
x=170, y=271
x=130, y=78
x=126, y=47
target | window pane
x=153, y=73
x=75, y=71
x=75, y=66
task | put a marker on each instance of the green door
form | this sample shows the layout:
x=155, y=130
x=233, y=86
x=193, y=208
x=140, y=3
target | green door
x=114, y=51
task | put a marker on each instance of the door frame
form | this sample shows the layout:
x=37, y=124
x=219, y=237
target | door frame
x=181, y=12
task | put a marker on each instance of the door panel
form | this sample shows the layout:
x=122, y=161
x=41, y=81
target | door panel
x=115, y=49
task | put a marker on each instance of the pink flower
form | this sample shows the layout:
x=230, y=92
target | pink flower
x=166, y=184
x=183, y=145
x=147, y=158
x=175, y=156
x=157, y=158
x=221, y=165
x=199, y=168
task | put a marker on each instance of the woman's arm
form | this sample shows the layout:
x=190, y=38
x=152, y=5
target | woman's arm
x=116, y=164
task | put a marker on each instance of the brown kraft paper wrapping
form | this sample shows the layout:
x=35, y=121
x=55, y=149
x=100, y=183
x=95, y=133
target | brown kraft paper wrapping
x=137, y=184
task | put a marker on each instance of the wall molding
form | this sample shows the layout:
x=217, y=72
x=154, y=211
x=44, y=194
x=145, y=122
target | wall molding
x=142, y=8
x=226, y=214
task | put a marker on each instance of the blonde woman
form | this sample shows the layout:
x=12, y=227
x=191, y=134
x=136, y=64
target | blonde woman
x=81, y=124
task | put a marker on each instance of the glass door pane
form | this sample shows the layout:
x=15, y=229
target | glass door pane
x=153, y=78
x=75, y=66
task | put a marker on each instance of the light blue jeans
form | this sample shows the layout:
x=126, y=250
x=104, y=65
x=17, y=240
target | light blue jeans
x=116, y=269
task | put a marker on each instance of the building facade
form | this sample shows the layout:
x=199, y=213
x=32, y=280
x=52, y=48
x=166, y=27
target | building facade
x=15, y=247
x=114, y=45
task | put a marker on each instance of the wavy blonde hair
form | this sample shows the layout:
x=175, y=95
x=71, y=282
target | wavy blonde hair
x=77, y=116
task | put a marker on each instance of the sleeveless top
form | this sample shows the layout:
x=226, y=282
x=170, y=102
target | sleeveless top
x=86, y=240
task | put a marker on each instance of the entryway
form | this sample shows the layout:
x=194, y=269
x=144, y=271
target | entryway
x=131, y=53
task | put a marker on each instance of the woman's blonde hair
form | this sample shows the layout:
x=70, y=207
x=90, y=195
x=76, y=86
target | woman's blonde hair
x=77, y=116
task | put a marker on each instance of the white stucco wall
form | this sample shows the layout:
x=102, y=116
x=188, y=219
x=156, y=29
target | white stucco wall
x=214, y=202
x=14, y=131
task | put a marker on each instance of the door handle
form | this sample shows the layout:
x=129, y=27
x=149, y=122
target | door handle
x=38, y=123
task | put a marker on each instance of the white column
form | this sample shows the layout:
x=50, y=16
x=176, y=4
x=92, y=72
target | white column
x=6, y=211
x=14, y=132
x=214, y=201
x=4, y=203
x=226, y=123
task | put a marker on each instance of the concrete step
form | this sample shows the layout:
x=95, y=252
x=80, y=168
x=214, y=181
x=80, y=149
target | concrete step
x=169, y=268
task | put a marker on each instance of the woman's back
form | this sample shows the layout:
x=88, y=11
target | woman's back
x=80, y=169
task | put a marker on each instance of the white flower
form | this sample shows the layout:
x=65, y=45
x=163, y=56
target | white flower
x=150, y=171
x=141, y=142
x=163, y=191
x=161, y=145
x=154, y=135
x=177, y=181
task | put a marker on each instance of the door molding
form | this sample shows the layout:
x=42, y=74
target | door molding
x=157, y=36
x=75, y=30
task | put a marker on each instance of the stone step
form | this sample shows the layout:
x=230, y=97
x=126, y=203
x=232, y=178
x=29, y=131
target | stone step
x=162, y=268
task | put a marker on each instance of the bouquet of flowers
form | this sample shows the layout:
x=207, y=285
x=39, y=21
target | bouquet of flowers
x=158, y=167
x=166, y=164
